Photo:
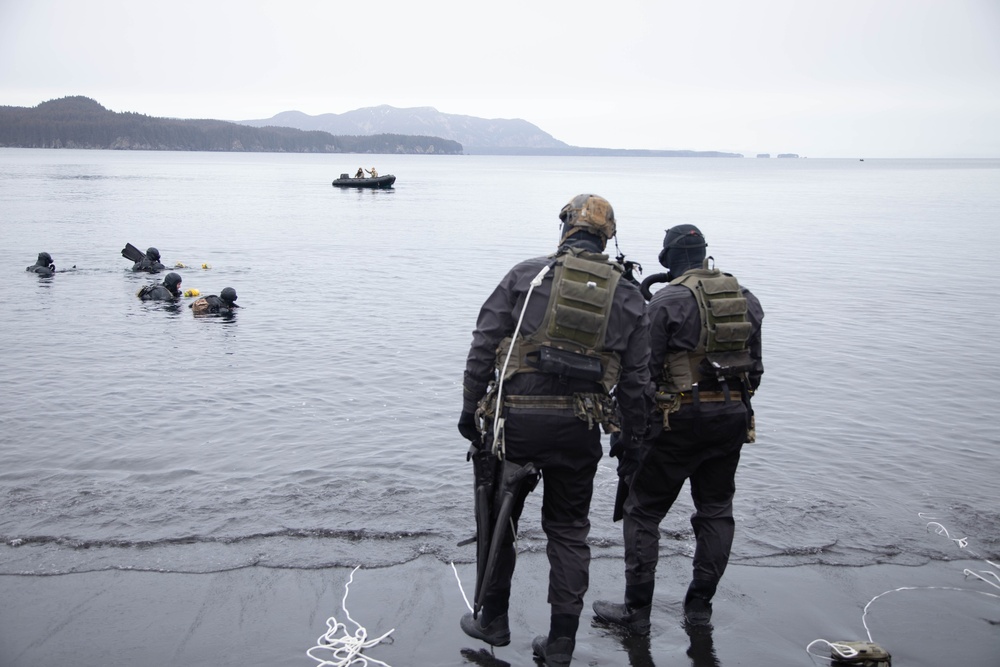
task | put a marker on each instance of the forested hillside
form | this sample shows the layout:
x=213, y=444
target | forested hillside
x=80, y=122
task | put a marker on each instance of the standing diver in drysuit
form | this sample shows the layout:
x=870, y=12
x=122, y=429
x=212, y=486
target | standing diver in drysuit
x=552, y=340
x=168, y=290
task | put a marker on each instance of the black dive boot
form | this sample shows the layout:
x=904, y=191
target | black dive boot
x=492, y=628
x=633, y=615
x=698, y=602
x=556, y=650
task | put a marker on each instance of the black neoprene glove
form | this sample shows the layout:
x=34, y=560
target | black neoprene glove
x=629, y=451
x=467, y=426
x=617, y=447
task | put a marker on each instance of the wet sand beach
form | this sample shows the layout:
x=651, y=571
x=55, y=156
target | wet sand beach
x=264, y=616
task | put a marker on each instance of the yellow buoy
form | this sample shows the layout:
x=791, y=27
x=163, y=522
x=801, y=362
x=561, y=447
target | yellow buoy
x=192, y=292
x=205, y=266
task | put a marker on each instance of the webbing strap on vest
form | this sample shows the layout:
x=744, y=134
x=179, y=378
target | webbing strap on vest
x=592, y=408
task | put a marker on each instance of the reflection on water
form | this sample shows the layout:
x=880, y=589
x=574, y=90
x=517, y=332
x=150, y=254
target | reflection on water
x=702, y=649
x=483, y=658
x=638, y=648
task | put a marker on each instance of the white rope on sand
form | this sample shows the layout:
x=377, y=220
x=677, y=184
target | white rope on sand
x=847, y=652
x=460, y=588
x=459, y=579
x=842, y=650
x=963, y=543
x=345, y=651
x=916, y=588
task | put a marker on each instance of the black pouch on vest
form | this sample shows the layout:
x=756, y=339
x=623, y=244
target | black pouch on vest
x=726, y=364
x=566, y=363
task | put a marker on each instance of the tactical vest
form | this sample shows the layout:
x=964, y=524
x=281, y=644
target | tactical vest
x=723, y=347
x=570, y=340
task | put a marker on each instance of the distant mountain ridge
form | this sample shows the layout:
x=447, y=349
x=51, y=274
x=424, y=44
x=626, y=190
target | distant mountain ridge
x=473, y=133
x=80, y=122
x=478, y=136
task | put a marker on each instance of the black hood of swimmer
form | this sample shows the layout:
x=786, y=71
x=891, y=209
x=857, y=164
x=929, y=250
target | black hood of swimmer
x=44, y=259
x=683, y=249
x=153, y=254
x=172, y=282
x=228, y=295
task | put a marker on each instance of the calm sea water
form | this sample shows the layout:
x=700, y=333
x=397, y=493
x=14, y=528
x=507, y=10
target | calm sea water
x=317, y=427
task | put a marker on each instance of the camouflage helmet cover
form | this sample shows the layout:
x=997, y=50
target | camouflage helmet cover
x=590, y=212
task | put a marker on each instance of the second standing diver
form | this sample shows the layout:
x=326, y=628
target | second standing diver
x=706, y=362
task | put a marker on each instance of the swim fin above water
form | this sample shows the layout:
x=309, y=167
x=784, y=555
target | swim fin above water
x=132, y=253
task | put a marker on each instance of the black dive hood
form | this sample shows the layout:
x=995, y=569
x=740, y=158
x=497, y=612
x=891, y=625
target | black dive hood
x=683, y=249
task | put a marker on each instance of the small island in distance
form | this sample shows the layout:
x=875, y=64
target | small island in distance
x=81, y=122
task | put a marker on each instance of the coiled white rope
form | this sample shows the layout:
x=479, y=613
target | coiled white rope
x=963, y=543
x=847, y=652
x=842, y=650
x=346, y=650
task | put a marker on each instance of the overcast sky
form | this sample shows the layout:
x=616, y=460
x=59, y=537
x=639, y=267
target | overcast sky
x=821, y=78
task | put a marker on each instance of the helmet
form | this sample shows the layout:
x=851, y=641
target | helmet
x=683, y=247
x=228, y=295
x=588, y=212
x=172, y=282
x=44, y=259
x=153, y=253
